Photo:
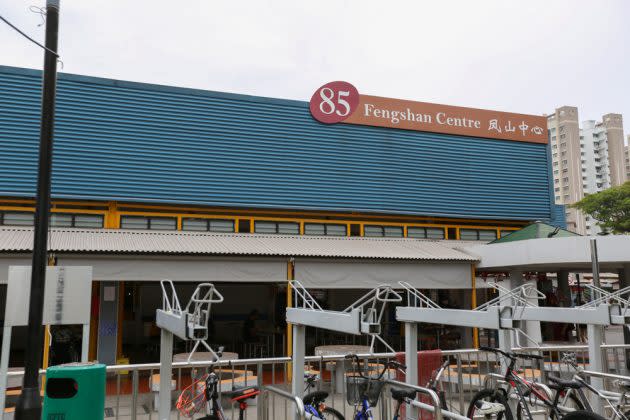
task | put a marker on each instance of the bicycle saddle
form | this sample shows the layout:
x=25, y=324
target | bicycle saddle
x=242, y=394
x=315, y=398
x=401, y=394
x=562, y=383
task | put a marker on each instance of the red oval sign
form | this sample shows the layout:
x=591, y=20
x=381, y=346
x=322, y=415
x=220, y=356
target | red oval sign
x=334, y=102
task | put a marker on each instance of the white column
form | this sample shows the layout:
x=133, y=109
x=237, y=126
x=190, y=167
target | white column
x=166, y=372
x=4, y=366
x=299, y=348
x=595, y=340
x=532, y=328
x=505, y=336
x=411, y=360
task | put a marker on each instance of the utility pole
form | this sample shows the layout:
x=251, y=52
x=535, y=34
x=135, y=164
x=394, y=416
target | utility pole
x=29, y=406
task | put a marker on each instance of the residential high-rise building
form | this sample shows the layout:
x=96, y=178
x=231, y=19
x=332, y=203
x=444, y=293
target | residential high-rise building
x=628, y=160
x=585, y=160
x=564, y=139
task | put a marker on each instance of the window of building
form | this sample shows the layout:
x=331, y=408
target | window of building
x=563, y=136
x=145, y=222
x=564, y=162
x=562, y=128
x=477, y=235
x=325, y=229
x=557, y=189
x=14, y=218
x=286, y=228
x=565, y=170
x=207, y=225
x=555, y=155
x=553, y=138
x=425, y=232
x=76, y=220
x=555, y=163
x=557, y=198
x=383, y=231
x=555, y=172
x=565, y=179
x=557, y=181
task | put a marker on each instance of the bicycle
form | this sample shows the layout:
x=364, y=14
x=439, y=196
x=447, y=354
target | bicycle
x=573, y=390
x=205, y=391
x=523, y=390
x=363, y=392
x=314, y=401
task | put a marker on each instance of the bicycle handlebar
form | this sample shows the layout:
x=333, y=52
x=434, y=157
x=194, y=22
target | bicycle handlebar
x=391, y=363
x=511, y=355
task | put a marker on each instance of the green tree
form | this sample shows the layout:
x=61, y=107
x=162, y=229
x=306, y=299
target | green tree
x=610, y=207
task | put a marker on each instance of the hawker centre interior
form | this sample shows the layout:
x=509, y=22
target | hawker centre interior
x=158, y=182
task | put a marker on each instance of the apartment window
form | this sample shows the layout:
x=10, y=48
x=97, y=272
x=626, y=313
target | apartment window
x=557, y=198
x=553, y=138
x=207, y=225
x=555, y=146
x=566, y=196
x=563, y=136
x=565, y=170
x=557, y=181
x=563, y=153
x=76, y=220
x=564, y=162
x=565, y=188
x=325, y=229
x=17, y=219
x=555, y=155
x=144, y=222
x=562, y=128
x=425, y=232
x=286, y=228
x=557, y=189
x=555, y=164
x=477, y=235
x=383, y=231
x=565, y=179
x=555, y=172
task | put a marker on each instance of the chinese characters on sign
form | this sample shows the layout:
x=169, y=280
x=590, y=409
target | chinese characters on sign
x=340, y=102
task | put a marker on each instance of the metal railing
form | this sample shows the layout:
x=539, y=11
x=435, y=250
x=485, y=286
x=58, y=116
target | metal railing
x=132, y=388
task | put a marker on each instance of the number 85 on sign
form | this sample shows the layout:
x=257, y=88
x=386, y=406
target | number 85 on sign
x=334, y=102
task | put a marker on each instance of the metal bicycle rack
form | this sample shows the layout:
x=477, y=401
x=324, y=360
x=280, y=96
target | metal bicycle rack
x=506, y=313
x=190, y=323
x=361, y=318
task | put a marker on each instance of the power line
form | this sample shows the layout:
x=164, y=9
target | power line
x=27, y=37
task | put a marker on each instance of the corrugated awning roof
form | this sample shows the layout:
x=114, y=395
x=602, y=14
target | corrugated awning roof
x=118, y=241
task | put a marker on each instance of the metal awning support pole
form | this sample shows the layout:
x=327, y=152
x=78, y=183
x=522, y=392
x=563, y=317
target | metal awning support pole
x=411, y=360
x=595, y=262
x=595, y=334
x=166, y=371
x=299, y=350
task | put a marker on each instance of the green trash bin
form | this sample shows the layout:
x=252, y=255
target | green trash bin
x=75, y=391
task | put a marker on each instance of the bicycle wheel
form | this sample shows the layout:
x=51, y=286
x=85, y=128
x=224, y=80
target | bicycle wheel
x=583, y=415
x=476, y=409
x=331, y=414
x=574, y=403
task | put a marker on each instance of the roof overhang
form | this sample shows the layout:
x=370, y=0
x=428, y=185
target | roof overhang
x=553, y=254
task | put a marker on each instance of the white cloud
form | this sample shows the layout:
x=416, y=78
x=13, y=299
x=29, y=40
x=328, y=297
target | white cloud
x=519, y=56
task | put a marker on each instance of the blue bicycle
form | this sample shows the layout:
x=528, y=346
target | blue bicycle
x=314, y=401
x=363, y=391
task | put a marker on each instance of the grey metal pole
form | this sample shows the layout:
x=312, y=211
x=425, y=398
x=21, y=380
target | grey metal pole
x=595, y=262
x=297, y=377
x=595, y=334
x=29, y=405
x=166, y=371
x=411, y=360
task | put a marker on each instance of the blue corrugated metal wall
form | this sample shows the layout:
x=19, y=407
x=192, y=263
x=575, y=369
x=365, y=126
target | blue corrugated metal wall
x=136, y=142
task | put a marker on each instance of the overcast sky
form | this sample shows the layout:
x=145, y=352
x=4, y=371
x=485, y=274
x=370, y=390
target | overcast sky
x=521, y=56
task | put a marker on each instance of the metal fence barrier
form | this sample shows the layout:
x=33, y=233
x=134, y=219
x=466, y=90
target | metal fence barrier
x=132, y=388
